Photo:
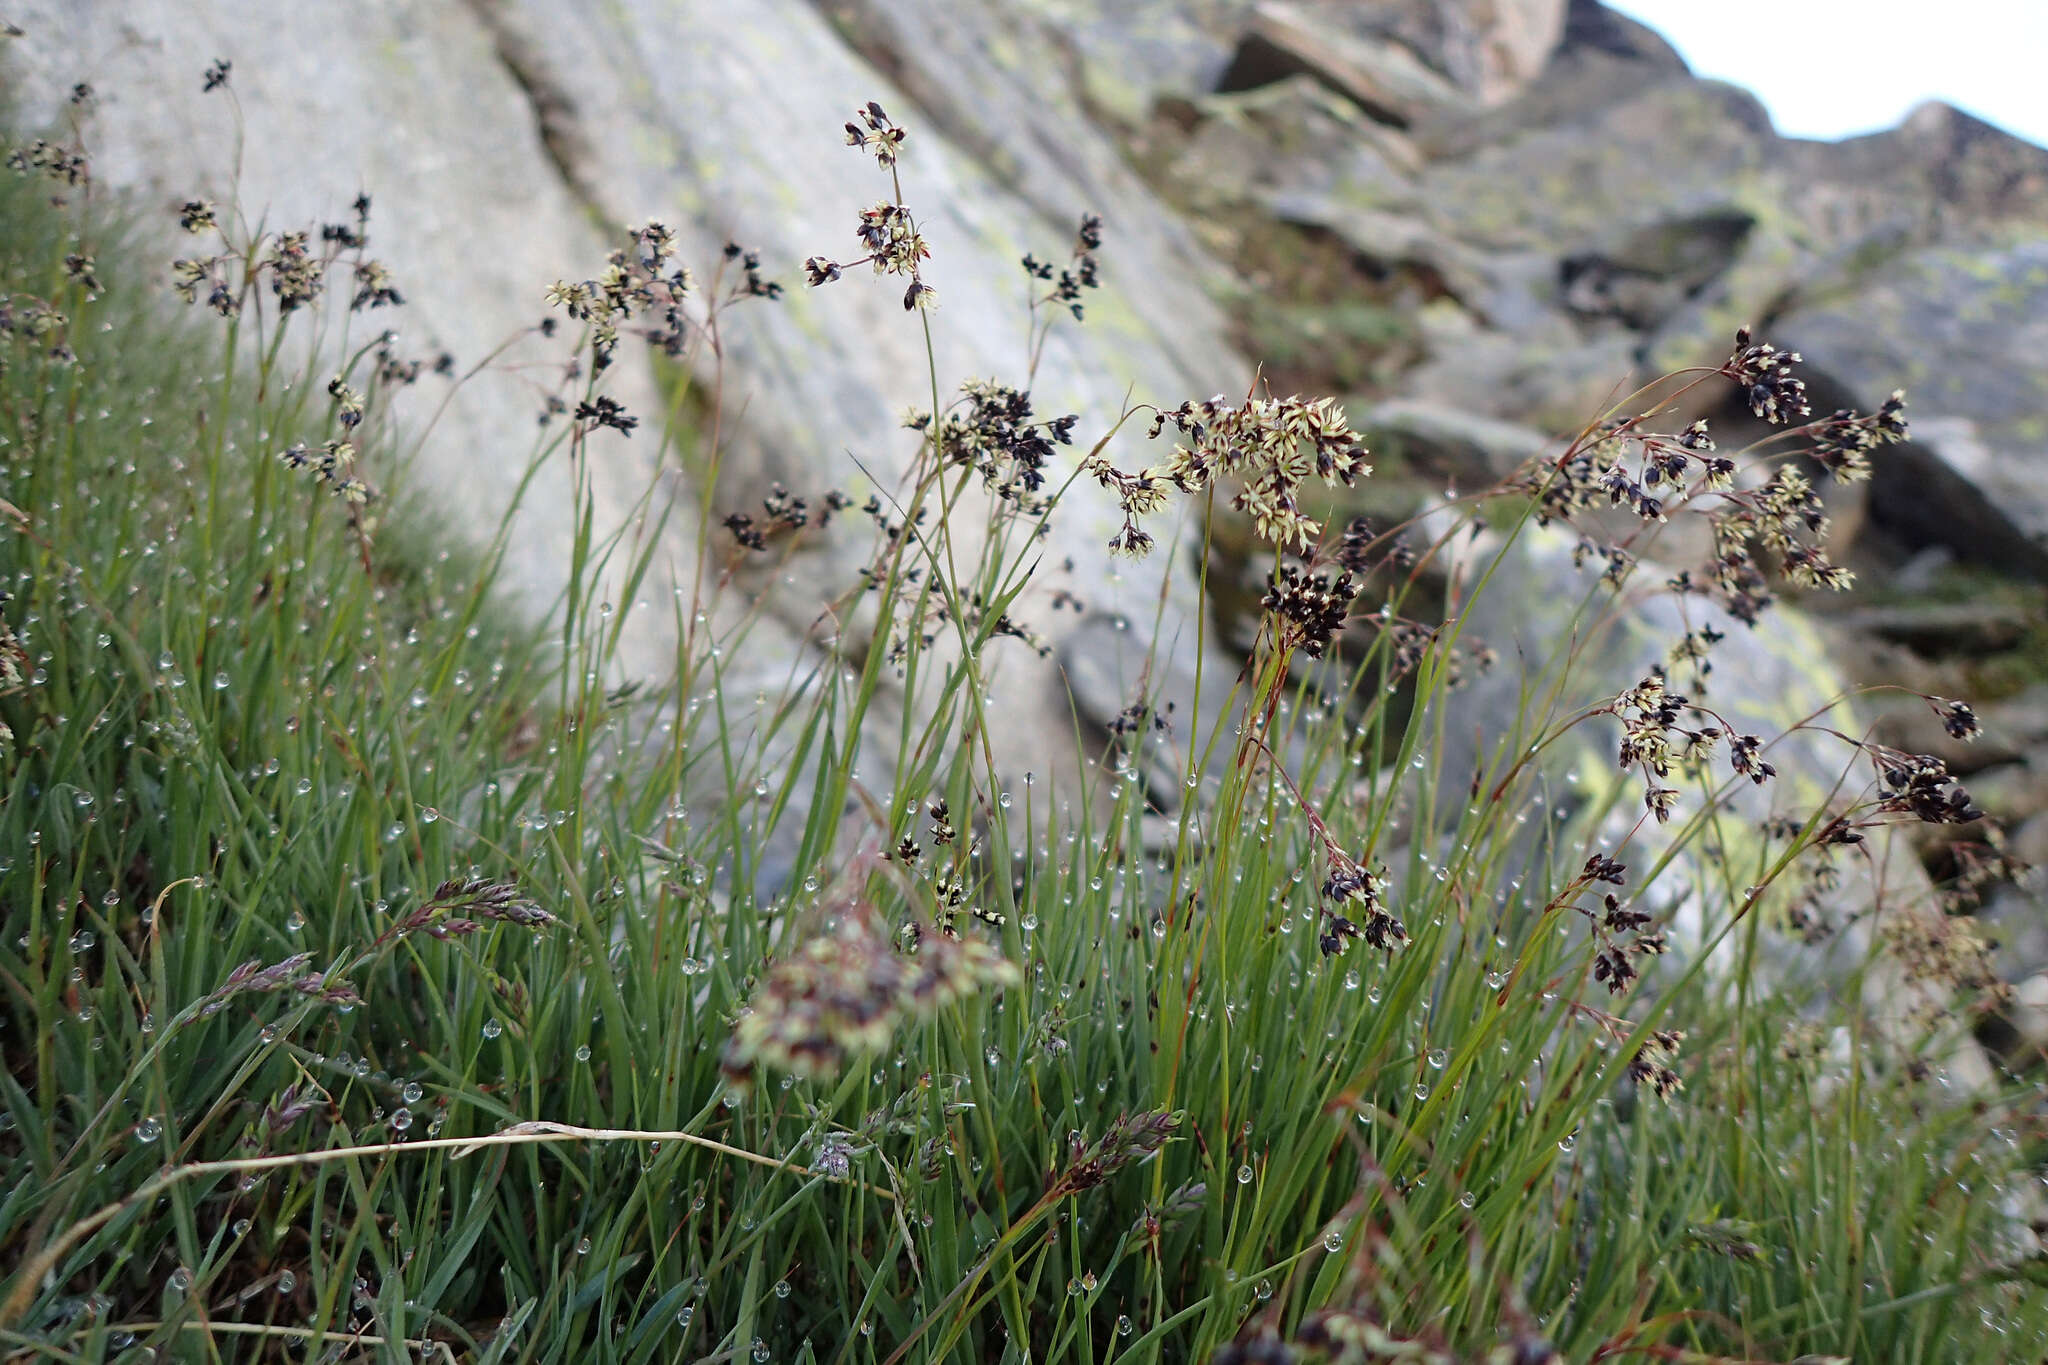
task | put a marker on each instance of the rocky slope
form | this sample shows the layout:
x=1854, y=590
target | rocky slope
x=1479, y=220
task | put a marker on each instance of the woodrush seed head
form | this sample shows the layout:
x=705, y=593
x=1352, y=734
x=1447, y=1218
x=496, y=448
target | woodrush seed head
x=845, y=989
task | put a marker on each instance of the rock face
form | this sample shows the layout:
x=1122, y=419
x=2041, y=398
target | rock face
x=1613, y=218
x=1959, y=329
x=1479, y=221
x=414, y=108
x=507, y=143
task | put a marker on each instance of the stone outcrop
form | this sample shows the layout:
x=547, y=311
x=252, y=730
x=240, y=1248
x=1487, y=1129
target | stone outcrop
x=507, y=144
x=1501, y=214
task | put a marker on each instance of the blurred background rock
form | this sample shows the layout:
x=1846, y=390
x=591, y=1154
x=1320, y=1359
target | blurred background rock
x=1476, y=222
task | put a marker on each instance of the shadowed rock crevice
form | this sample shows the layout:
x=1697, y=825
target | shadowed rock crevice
x=555, y=116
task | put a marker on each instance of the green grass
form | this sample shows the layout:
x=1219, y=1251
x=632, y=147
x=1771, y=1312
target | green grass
x=233, y=744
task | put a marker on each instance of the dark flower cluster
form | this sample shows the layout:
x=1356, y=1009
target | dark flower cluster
x=1844, y=442
x=396, y=372
x=1619, y=465
x=887, y=231
x=296, y=275
x=1310, y=607
x=635, y=283
x=348, y=404
x=1083, y=273
x=949, y=891
x=1357, y=890
x=1135, y=718
x=1001, y=626
x=1652, y=1064
x=1693, y=652
x=374, y=287
x=1354, y=548
x=605, y=411
x=1602, y=471
x=752, y=283
x=1920, y=785
x=80, y=269
x=1621, y=932
x=941, y=816
x=1272, y=445
x=190, y=275
x=871, y=130
x=994, y=431
x=1653, y=738
x=333, y=464
x=1765, y=375
x=351, y=236
x=65, y=165
x=783, y=512
x=1957, y=718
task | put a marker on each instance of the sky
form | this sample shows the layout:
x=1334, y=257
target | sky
x=1837, y=68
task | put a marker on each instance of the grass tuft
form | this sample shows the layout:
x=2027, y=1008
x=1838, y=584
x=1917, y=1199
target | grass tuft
x=379, y=979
